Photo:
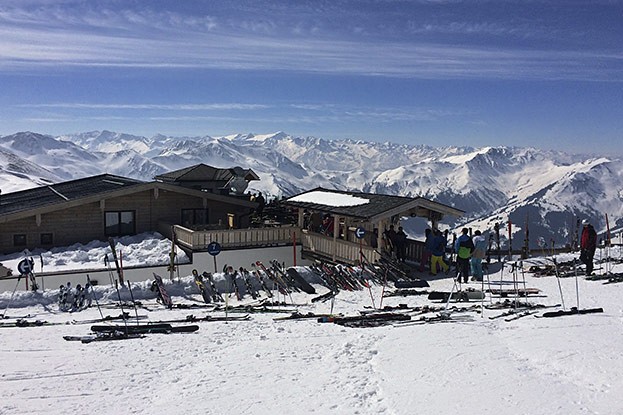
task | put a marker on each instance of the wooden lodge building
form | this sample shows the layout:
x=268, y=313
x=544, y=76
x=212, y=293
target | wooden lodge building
x=98, y=207
x=203, y=204
x=357, y=221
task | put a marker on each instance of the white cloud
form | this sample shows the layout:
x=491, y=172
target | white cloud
x=97, y=37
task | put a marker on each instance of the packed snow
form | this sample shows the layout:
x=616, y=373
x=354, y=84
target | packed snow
x=475, y=365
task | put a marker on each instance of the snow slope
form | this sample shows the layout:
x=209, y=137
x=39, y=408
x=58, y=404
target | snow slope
x=565, y=365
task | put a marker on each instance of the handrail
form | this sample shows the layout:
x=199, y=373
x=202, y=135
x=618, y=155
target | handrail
x=236, y=238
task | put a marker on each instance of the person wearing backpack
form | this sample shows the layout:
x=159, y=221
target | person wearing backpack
x=463, y=248
x=438, y=251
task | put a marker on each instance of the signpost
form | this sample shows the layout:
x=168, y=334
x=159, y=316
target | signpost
x=214, y=248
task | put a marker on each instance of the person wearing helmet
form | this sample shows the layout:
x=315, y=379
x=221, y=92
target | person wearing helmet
x=588, y=244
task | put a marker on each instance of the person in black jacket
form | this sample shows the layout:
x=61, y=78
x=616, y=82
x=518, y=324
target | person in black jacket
x=588, y=245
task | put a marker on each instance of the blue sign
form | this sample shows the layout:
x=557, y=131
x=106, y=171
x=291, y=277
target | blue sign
x=214, y=248
x=25, y=266
x=360, y=232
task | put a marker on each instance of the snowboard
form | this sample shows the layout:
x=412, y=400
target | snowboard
x=204, y=288
x=300, y=281
x=164, y=296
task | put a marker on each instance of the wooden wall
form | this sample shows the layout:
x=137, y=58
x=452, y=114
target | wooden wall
x=85, y=223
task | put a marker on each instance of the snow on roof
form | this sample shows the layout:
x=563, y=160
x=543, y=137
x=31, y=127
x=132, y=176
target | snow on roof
x=329, y=199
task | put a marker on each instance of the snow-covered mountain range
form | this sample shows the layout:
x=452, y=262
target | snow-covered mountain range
x=549, y=190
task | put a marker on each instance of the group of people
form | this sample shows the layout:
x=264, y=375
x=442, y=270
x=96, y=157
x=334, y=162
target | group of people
x=470, y=251
x=261, y=203
x=396, y=242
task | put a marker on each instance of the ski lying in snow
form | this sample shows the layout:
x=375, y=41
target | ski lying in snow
x=443, y=317
x=411, y=284
x=28, y=323
x=300, y=316
x=193, y=319
x=465, y=295
x=254, y=309
x=145, y=329
x=521, y=307
x=521, y=314
x=509, y=292
x=571, y=312
x=325, y=297
x=404, y=292
x=104, y=337
x=372, y=319
x=614, y=278
x=122, y=316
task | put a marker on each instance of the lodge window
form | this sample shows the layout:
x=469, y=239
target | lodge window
x=19, y=239
x=47, y=239
x=194, y=217
x=120, y=223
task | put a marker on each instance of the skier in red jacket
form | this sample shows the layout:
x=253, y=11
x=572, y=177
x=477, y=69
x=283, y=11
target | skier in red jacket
x=588, y=244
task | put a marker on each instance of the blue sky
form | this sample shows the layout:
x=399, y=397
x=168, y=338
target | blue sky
x=528, y=73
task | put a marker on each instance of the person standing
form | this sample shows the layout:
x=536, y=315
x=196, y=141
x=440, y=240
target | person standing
x=427, y=251
x=401, y=244
x=389, y=236
x=463, y=248
x=588, y=245
x=438, y=251
x=480, y=251
x=261, y=202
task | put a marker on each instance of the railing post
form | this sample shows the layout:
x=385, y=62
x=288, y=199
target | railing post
x=294, y=248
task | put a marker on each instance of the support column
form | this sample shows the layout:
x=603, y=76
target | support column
x=336, y=230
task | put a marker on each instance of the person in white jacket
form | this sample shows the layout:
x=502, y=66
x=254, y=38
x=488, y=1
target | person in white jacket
x=480, y=251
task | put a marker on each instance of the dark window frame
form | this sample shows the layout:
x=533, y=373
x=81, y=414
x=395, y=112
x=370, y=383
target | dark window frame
x=49, y=240
x=194, y=220
x=16, y=240
x=119, y=228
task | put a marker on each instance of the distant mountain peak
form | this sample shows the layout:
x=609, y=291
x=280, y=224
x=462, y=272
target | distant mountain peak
x=492, y=184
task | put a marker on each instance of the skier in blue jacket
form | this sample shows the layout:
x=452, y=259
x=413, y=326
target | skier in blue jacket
x=463, y=248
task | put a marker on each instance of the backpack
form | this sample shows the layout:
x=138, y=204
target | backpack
x=465, y=248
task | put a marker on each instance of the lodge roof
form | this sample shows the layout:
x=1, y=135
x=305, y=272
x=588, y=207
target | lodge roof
x=63, y=192
x=203, y=172
x=367, y=206
x=77, y=192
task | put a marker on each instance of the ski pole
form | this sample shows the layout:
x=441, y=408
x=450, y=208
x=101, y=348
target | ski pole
x=577, y=288
x=133, y=302
x=125, y=321
x=95, y=296
x=562, y=300
x=11, y=300
x=450, y=296
x=383, y=289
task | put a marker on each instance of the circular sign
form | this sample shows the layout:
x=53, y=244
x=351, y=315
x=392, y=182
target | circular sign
x=25, y=266
x=360, y=232
x=214, y=248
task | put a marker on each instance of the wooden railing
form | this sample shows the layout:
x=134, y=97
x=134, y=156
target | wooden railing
x=335, y=250
x=313, y=243
x=236, y=238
